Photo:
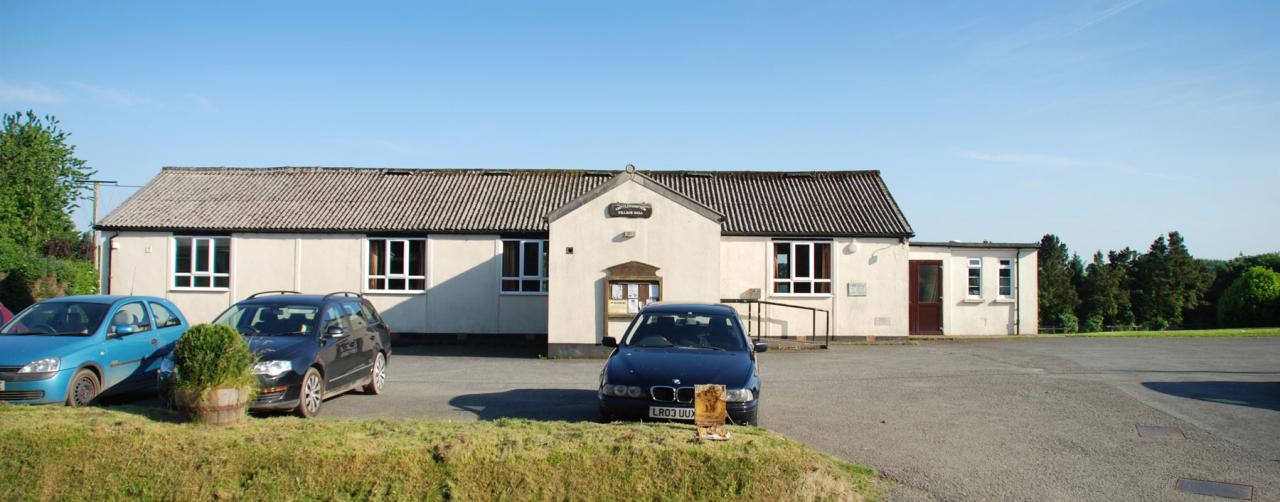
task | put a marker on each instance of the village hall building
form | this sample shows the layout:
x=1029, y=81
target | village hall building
x=568, y=256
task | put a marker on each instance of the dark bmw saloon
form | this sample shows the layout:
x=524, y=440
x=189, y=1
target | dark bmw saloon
x=669, y=348
x=309, y=348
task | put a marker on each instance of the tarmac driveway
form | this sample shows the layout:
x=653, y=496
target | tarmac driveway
x=1044, y=419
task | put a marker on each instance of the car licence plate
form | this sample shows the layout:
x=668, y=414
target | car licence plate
x=1, y=385
x=671, y=413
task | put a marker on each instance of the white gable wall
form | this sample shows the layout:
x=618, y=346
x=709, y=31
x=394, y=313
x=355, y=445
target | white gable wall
x=683, y=244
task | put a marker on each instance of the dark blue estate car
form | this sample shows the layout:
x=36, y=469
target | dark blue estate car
x=309, y=348
x=669, y=348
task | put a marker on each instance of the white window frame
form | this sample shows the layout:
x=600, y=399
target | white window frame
x=772, y=257
x=1005, y=264
x=543, y=265
x=974, y=264
x=387, y=276
x=211, y=272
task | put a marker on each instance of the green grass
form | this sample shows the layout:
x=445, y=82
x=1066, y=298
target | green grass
x=133, y=453
x=1187, y=333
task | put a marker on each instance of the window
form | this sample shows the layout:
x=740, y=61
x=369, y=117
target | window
x=397, y=264
x=975, y=277
x=1006, y=278
x=131, y=314
x=164, y=317
x=802, y=267
x=524, y=266
x=201, y=262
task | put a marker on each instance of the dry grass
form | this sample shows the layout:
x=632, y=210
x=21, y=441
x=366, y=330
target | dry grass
x=100, y=454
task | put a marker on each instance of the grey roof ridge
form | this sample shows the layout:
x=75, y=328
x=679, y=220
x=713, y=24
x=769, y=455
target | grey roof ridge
x=631, y=175
x=509, y=169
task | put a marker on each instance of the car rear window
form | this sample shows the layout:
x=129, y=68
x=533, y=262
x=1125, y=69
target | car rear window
x=695, y=330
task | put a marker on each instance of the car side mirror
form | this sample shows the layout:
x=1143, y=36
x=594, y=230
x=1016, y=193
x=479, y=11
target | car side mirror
x=609, y=341
x=124, y=329
x=761, y=346
x=335, y=331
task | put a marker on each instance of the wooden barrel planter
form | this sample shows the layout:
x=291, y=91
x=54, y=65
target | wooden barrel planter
x=224, y=406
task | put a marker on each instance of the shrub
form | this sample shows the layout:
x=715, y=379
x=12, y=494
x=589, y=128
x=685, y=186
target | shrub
x=1157, y=324
x=1093, y=324
x=212, y=356
x=1252, y=300
x=1069, y=322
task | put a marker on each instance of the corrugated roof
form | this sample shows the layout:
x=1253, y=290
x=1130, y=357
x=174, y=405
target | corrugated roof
x=312, y=199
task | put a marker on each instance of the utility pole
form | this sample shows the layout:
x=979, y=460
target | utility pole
x=93, y=226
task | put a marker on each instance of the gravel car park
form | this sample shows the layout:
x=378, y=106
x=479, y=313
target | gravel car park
x=1048, y=419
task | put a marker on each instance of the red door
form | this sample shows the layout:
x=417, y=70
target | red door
x=925, y=290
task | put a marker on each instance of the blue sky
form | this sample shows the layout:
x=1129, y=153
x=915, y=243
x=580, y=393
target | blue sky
x=1106, y=123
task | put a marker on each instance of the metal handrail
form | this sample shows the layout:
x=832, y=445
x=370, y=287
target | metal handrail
x=759, y=312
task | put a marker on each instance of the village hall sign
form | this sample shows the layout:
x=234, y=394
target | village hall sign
x=629, y=210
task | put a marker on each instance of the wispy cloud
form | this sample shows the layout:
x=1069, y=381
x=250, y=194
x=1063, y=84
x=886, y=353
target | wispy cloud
x=1056, y=162
x=203, y=103
x=1104, y=15
x=1056, y=27
x=109, y=95
x=10, y=92
x=1031, y=160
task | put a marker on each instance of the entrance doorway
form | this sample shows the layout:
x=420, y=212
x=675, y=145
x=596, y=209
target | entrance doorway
x=925, y=291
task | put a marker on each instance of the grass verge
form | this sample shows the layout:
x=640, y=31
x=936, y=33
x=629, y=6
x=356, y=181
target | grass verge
x=107, y=454
x=1208, y=333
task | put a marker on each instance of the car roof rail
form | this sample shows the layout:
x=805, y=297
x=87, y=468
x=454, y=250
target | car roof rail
x=351, y=294
x=280, y=291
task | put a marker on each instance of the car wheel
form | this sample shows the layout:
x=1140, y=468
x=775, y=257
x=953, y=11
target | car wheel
x=312, y=394
x=377, y=375
x=84, y=388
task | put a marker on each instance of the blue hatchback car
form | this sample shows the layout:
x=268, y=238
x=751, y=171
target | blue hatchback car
x=74, y=349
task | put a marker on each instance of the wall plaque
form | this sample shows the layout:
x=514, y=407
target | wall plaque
x=629, y=210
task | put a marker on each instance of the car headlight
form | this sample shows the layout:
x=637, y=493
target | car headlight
x=631, y=391
x=46, y=365
x=272, y=368
x=166, y=364
x=739, y=395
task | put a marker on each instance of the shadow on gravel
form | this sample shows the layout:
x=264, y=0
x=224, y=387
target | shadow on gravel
x=1265, y=395
x=572, y=405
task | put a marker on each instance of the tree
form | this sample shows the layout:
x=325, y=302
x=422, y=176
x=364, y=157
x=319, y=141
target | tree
x=40, y=181
x=1252, y=300
x=1057, y=296
x=1103, y=294
x=1167, y=282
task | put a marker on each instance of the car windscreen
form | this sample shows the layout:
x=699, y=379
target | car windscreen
x=57, y=318
x=271, y=319
x=695, y=330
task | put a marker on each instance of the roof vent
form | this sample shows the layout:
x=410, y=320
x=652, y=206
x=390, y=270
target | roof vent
x=597, y=174
x=497, y=172
x=396, y=172
x=697, y=174
x=798, y=175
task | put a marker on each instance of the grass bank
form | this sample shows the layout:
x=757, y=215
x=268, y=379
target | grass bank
x=1209, y=333
x=103, y=454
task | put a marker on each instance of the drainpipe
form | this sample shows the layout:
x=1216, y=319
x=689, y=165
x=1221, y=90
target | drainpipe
x=1017, y=292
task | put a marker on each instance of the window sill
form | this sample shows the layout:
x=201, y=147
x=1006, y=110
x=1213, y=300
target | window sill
x=971, y=300
x=1004, y=300
x=199, y=290
x=800, y=295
